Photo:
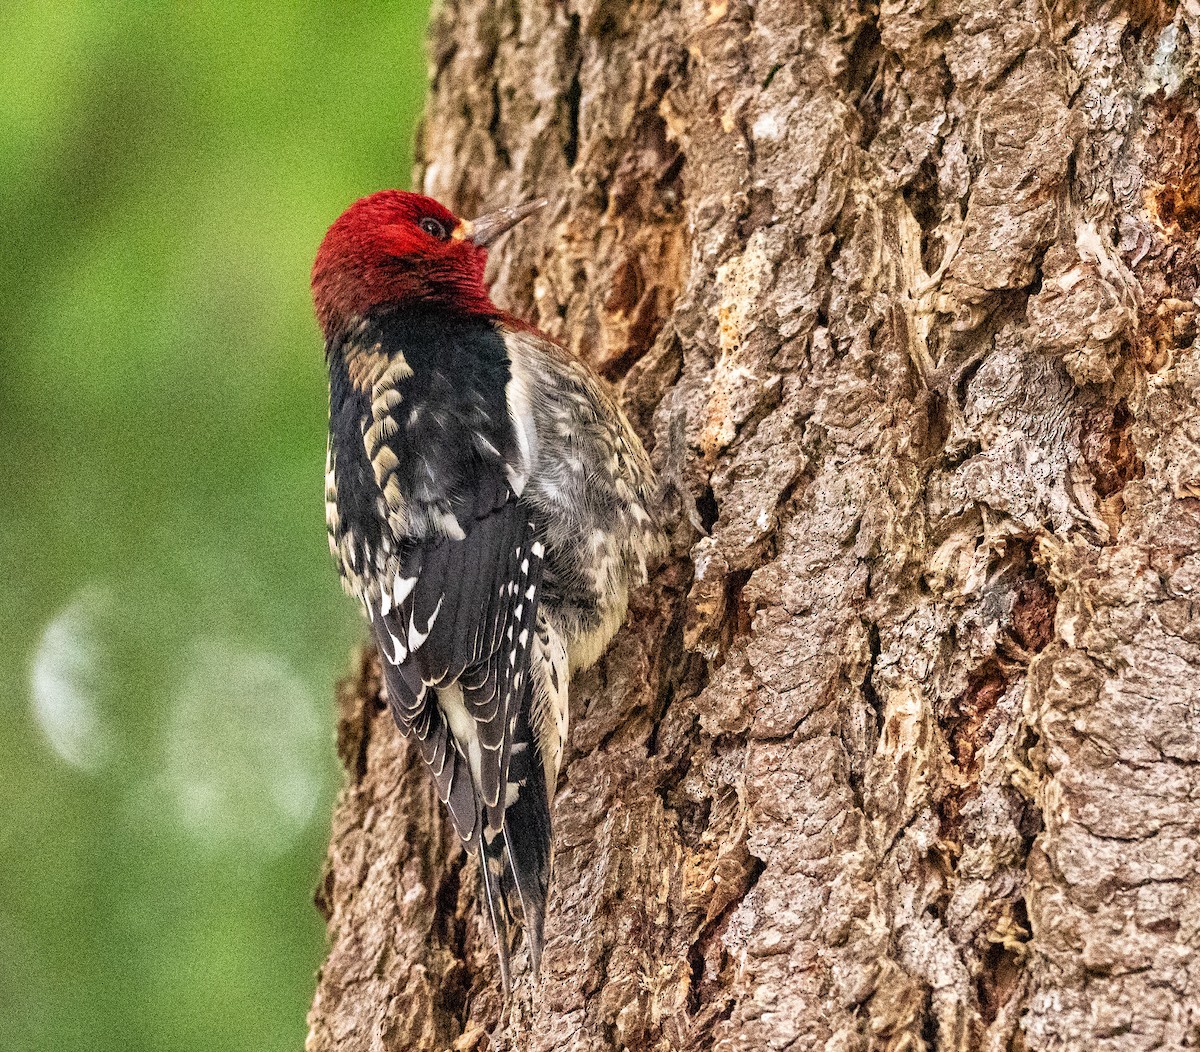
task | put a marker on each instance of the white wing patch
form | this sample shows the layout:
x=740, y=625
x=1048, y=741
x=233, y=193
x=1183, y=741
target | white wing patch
x=452, y=526
x=415, y=636
x=401, y=588
x=399, y=652
x=394, y=596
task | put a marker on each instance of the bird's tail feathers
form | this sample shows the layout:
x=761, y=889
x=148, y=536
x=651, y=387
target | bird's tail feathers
x=526, y=877
x=492, y=865
x=516, y=858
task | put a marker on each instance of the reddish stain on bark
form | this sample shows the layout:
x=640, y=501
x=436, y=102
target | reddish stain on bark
x=966, y=727
x=1033, y=613
x=1110, y=452
x=1168, y=268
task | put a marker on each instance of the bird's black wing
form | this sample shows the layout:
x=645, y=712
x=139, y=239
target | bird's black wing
x=455, y=656
x=428, y=463
x=456, y=651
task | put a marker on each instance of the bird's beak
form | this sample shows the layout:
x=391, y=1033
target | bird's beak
x=487, y=229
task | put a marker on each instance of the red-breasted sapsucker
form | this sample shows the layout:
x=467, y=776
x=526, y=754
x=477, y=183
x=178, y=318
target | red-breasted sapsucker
x=489, y=505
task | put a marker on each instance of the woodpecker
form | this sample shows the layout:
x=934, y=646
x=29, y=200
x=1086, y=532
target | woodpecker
x=489, y=506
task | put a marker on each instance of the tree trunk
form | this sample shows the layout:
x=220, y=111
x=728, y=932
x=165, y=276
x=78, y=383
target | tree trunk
x=905, y=752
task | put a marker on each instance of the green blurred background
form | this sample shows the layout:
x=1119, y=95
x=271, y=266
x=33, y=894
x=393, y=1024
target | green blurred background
x=171, y=624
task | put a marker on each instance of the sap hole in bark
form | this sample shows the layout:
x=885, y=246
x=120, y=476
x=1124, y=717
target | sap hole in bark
x=861, y=729
x=706, y=505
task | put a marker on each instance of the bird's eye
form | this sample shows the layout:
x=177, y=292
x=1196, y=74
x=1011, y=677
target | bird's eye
x=434, y=229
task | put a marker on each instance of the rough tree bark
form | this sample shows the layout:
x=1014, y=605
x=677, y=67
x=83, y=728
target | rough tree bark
x=905, y=753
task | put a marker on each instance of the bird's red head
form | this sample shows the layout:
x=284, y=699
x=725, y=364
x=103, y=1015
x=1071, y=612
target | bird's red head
x=396, y=248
